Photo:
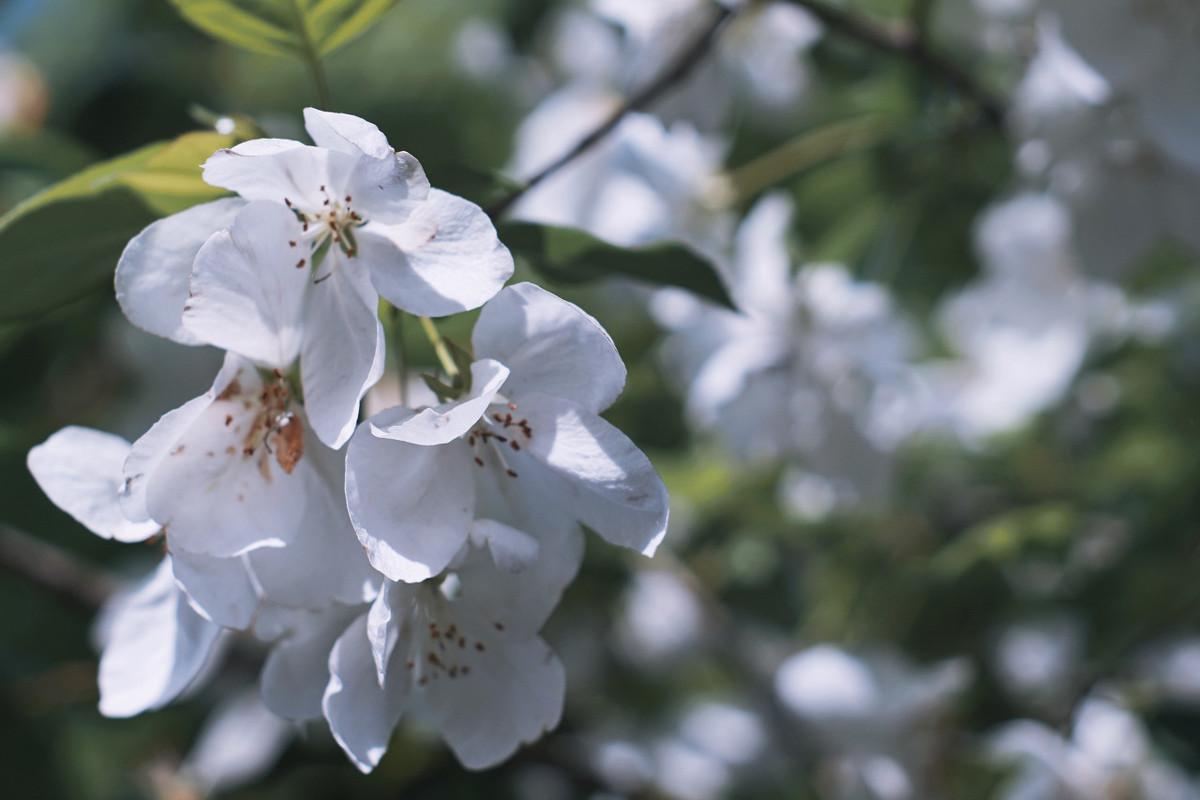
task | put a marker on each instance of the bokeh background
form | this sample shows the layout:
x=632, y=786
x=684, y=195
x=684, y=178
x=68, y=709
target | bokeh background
x=934, y=509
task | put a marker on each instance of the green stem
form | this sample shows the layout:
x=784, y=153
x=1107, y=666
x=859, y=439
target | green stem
x=806, y=150
x=308, y=52
x=395, y=320
x=439, y=347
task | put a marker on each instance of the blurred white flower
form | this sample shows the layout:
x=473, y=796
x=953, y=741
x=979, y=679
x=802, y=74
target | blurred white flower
x=661, y=617
x=873, y=718
x=1107, y=757
x=806, y=369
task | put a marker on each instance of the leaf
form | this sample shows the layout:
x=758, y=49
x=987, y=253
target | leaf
x=283, y=27
x=65, y=240
x=569, y=256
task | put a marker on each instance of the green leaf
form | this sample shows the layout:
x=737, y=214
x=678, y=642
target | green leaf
x=283, y=27
x=567, y=255
x=65, y=240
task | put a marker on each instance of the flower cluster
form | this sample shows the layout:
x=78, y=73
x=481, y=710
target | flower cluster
x=405, y=563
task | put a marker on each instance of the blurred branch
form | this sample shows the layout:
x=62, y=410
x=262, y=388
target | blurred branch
x=909, y=43
x=679, y=69
x=312, y=59
x=54, y=569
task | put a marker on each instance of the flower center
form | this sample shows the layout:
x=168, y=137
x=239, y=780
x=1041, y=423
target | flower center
x=442, y=649
x=328, y=225
x=496, y=430
x=274, y=430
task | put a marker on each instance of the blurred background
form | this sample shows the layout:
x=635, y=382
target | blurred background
x=934, y=511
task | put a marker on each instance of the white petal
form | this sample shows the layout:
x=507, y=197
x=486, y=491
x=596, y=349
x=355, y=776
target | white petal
x=410, y=505
x=279, y=170
x=297, y=670
x=152, y=447
x=448, y=421
x=551, y=346
x=154, y=270
x=325, y=562
x=386, y=621
x=240, y=742
x=528, y=596
x=347, y=133
x=247, y=295
x=215, y=498
x=157, y=645
x=608, y=483
x=343, y=349
x=80, y=470
x=361, y=714
x=219, y=589
x=512, y=695
x=512, y=550
x=448, y=260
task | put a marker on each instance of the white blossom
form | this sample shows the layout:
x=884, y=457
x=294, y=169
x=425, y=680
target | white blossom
x=524, y=448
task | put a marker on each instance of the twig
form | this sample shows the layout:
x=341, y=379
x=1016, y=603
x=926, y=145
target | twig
x=312, y=59
x=687, y=60
x=908, y=43
x=54, y=569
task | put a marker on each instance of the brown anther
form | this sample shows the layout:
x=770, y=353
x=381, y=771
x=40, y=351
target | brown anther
x=499, y=625
x=231, y=450
x=479, y=461
x=513, y=444
x=465, y=669
x=291, y=243
x=479, y=646
x=228, y=420
x=510, y=473
x=300, y=264
x=248, y=451
x=348, y=198
x=287, y=202
x=462, y=642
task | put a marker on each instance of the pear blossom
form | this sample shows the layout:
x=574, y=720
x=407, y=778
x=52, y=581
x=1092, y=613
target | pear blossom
x=352, y=218
x=523, y=446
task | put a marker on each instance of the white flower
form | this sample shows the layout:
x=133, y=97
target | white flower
x=462, y=653
x=524, y=446
x=352, y=219
x=1108, y=756
x=645, y=182
x=813, y=358
x=1148, y=51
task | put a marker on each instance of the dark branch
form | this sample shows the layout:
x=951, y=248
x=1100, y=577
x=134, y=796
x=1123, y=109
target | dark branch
x=54, y=569
x=908, y=43
x=679, y=69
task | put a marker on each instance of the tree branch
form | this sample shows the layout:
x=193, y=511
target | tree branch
x=54, y=569
x=679, y=69
x=907, y=42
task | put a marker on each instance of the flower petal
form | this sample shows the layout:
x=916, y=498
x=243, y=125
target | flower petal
x=385, y=624
x=343, y=351
x=247, y=294
x=296, y=672
x=153, y=445
x=448, y=421
x=157, y=644
x=347, y=133
x=448, y=260
x=607, y=483
x=80, y=470
x=219, y=589
x=219, y=489
x=551, y=346
x=279, y=170
x=411, y=506
x=325, y=562
x=512, y=550
x=361, y=714
x=511, y=696
x=155, y=268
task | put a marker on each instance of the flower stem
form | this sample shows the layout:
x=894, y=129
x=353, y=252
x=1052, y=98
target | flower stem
x=439, y=346
x=311, y=58
x=395, y=326
x=795, y=155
